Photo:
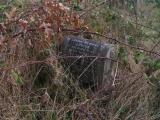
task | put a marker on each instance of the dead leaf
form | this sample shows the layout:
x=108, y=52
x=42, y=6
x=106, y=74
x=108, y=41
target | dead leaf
x=13, y=44
x=11, y=14
x=23, y=23
x=29, y=42
x=2, y=27
x=62, y=7
x=1, y=40
x=48, y=35
x=45, y=98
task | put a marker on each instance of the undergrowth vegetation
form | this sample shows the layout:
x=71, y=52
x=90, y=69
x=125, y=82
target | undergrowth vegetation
x=35, y=86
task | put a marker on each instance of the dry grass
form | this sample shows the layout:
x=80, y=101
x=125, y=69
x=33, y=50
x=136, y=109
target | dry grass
x=24, y=95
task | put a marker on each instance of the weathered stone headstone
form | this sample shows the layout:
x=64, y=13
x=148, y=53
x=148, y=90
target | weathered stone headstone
x=89, y=61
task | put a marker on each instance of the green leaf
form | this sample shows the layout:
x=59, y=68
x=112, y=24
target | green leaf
x=17, y=77
x=157, y=3
x=132, y=40
x=2, y=7
x=54, y=116
x=157, y=65
x=2, y=65
x=69, y=115
x=139, y=56
x=122, y=54
x=76, y=6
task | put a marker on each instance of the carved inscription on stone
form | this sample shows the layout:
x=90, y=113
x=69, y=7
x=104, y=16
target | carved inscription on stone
x=79, y=47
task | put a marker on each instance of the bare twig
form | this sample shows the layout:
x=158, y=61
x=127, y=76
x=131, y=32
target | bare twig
x=87, y=67
x=114, y=79
x=21, y=65
x=120, y=42
x=92, y=8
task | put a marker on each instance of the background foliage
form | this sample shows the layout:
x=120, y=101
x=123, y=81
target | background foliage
x=34, y=85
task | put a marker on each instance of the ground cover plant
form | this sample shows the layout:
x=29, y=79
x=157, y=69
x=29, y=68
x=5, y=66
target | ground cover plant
x=35, y=86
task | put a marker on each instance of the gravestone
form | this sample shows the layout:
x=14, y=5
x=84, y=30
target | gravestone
x=89, y=61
